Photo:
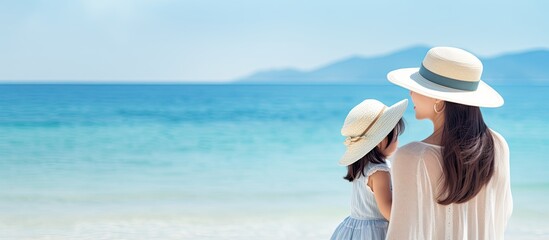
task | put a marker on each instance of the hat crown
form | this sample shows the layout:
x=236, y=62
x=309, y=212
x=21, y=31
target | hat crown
x=361, y=117
x=453, y=63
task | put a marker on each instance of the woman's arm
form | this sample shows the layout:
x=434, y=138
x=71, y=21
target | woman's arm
x=380, y=183
x=412, y=213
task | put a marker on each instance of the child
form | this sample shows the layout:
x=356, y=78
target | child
x=372, y=130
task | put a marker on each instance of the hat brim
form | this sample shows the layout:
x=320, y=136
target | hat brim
x=409, y=78
x=381, y=128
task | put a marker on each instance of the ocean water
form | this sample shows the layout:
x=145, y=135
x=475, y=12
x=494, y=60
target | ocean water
x=215, y=161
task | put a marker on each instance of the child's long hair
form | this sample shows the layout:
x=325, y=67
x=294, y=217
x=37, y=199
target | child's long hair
x=374, y=156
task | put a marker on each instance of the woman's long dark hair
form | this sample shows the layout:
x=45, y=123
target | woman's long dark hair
x=374, y=156
x=467, y=153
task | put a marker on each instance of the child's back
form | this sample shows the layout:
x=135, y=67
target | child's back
x=363, y=202
x=365, y=221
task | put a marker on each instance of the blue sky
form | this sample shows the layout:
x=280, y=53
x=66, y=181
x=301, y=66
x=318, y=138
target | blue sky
x=204, y=40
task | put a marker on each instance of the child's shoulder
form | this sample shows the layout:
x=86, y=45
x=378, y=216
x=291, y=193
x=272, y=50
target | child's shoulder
x=371, y=164
x=371, y=168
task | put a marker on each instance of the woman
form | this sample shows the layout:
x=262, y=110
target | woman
x=455, y=183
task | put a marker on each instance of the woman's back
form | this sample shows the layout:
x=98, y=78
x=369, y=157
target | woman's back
x=417, y=183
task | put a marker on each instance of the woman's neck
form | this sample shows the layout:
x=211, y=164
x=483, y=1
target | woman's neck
x=438, y=126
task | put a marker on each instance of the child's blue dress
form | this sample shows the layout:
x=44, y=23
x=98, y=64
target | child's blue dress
x=365, y=221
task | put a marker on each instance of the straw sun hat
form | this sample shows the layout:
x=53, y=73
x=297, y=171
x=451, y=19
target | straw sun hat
x=449, y=74
x=366, y=125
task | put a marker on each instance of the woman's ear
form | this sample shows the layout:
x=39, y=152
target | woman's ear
x=441, y=104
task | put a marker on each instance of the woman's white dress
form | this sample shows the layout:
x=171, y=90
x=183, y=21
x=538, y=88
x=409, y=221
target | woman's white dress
x=416, y=177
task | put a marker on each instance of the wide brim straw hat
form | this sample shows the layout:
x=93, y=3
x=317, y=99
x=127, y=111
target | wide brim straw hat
x=366, y=125
x=449, y=74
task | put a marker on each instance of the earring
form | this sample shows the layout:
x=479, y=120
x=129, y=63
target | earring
x=435, y=108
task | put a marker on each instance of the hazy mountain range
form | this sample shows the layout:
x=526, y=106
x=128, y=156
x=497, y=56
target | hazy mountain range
x=520, y=68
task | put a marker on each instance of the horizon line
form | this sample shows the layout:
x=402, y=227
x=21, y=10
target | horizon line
x=236, y=79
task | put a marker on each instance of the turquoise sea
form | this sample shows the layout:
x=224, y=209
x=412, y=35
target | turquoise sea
x=215, y=161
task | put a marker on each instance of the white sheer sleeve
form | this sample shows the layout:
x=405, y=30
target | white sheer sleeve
x=503, y=181
x=412, y=214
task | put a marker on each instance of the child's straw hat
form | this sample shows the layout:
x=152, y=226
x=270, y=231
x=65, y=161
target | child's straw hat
x=366, y=125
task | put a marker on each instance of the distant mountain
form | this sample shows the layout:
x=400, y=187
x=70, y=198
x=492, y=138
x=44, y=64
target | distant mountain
x=529, y=67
